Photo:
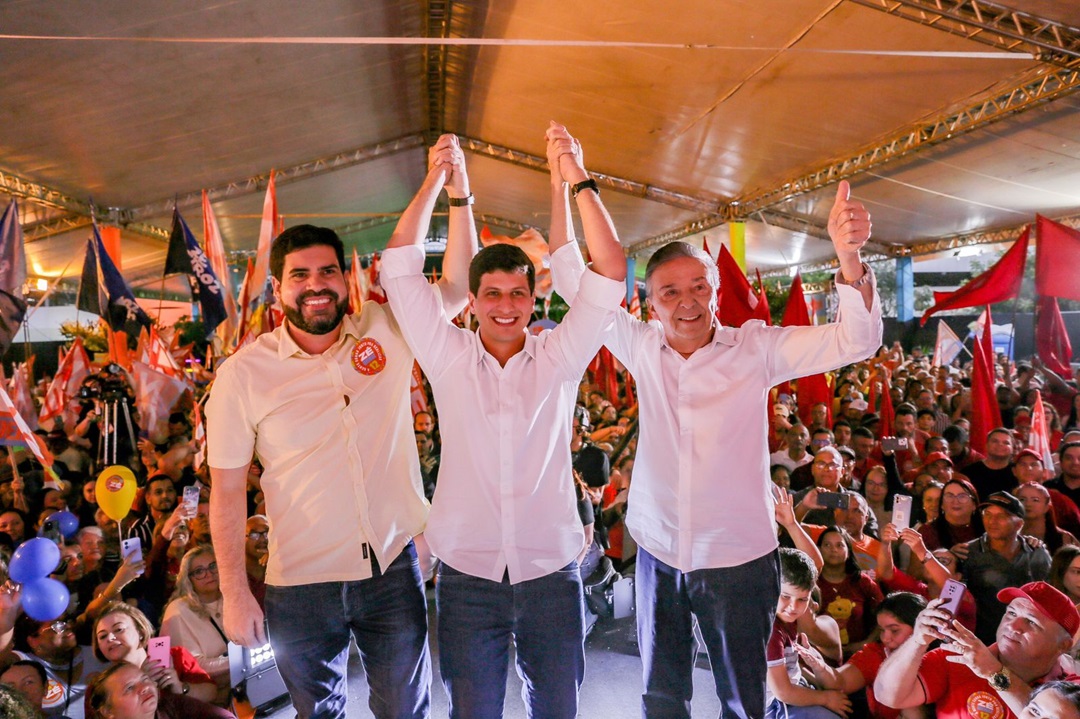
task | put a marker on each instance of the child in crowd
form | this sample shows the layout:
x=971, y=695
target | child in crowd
x=789, y=693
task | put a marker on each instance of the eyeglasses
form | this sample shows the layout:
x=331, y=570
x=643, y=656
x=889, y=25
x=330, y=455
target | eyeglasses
x=828, y=465
x=201, y=572
x=255, y=536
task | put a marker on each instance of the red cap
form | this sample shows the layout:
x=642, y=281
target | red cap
x=936, y=456
x=1050, y=602
x=1029, y=452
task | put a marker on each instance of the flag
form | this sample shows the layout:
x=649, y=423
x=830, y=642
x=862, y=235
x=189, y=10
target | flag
x=73, y=368
x=948, y=345
x=999, y=283
x=812, y=389
x=357, y=291
x=763, y=300
x=737, y=302
x=104, y=292
x=533, y=244
x=1057, y=255
x=12, y=276
x=14, y=431
x=155, y=396
x=888, y=416
x=374, y=289
x=199, y=438
x=215, y=251
x=253, y=293
x=1051, y=338
x=155, y=353
x=417, y=395
x=186, y=257
x=985, y=413
x=1039, y=439
x=635, y=302
x=21, y=396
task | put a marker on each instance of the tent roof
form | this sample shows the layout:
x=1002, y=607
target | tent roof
x=953, y=126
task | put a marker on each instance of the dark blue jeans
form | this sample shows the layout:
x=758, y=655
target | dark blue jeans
x=310, y=626
x=735, y=608
x=478, y=619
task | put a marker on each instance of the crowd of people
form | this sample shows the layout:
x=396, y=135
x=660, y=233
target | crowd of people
x=914, y=574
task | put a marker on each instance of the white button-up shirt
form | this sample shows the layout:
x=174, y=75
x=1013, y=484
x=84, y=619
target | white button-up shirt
x=505, y=500
x=334, y=434
x=701, y=495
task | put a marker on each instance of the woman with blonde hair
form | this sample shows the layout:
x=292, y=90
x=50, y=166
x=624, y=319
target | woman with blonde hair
x=193, y=617
x=122, y=634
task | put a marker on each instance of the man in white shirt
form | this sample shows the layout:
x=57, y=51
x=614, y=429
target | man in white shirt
x=324, y=402
x=503, y=520
x=700, y=506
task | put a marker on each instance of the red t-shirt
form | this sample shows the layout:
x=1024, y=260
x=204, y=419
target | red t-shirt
x=868, y=660
x=959, y=694
x=852, y=603
x=187, y=667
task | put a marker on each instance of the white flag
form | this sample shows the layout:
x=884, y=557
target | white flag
x=948, y=345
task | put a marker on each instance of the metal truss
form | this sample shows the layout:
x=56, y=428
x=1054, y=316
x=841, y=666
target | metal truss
x=365, y=224
x=506, y=224
x=257, y=183
x=991, y=24
x=1035, y=88
x=617, y=184
x=44, y=229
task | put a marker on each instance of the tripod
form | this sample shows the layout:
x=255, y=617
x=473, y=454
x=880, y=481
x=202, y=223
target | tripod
x=112, y=411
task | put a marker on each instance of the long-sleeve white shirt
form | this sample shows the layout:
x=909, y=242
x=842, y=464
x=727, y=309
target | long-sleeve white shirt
x=700, y=496
x=505, y=501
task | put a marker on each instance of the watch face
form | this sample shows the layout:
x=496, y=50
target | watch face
x=1000, y=681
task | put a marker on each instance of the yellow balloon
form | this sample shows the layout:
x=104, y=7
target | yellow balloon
x=116, y=491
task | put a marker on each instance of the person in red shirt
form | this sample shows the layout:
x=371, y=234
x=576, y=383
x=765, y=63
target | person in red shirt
x=896, y=621
x=966, y=678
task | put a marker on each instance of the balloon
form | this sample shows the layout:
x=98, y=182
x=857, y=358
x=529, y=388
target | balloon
x=45, y=599
x=34, y=559
x=69, y=523
x=116, y=491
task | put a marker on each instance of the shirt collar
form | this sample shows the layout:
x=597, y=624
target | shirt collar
x=287, y=347
x=529, y=348
x=721, y=335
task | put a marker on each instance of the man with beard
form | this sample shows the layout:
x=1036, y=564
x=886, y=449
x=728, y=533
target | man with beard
x=324, y=402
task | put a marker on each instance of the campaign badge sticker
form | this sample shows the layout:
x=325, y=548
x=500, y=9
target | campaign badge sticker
x=368, y=357
x=984, y=705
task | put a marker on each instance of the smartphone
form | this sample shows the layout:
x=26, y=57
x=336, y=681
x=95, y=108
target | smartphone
x=894, y=444
x=901, y=511
x=190, y=502
x=952, y=592
x=833, y=500
x=129, y=547
x=158, y=650
x=50, y=529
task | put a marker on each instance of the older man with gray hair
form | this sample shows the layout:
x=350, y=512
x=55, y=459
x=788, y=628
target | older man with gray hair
x=700, y=506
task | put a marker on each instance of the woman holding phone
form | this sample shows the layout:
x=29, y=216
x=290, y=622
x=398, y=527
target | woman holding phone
x=193, y=617
x=123, y=634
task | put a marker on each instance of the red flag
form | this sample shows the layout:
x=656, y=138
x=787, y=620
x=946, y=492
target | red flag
x=763, y=301
x=1039, y=439
x=888, y=416
x=1051, y=338
x=14, y=432
x=813, y=389
x=72, y=370
x=611, y=377
x=155, y=396
x=1057, y=255
x=736, y=298
x=19, y=390
x=985, y=413
x=999, y=283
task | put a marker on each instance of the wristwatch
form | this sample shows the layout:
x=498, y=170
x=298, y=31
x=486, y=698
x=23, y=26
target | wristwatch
x=1001, y=679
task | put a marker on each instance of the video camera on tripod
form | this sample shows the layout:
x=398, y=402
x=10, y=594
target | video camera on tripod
x=108, y=392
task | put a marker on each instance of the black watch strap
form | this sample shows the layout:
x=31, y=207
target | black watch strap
x=589, y=184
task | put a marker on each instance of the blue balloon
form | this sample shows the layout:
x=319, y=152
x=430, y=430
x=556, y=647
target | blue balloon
x=34, y=559
x=45, y=599
x=69, y=523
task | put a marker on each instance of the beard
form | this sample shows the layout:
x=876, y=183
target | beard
x=319, y=325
